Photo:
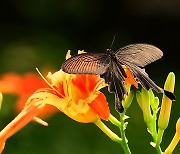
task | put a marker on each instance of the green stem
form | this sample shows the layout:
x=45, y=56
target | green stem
x=158, y=141
x=159, y=136
x=123, y=136
x=154, y=127
x=158, y=149
x=114, y=121
x=154, y=133
x=107, y=131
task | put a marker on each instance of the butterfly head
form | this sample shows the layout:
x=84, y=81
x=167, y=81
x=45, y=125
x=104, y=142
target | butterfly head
x=109, y=51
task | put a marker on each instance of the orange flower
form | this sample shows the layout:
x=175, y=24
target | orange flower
x=23, y=86
x=77, y=96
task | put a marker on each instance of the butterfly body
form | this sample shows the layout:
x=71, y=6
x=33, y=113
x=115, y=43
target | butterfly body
x=109, y=66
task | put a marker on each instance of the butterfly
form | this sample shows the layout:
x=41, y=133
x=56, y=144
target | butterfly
x=110, y=66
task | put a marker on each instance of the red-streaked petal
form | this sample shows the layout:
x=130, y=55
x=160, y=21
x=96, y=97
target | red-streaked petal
x=83, y=85
x=100, y=106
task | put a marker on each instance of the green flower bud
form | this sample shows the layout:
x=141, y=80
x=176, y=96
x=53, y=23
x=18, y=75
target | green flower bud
x=143, y=99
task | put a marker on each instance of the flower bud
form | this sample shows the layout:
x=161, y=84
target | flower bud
x=166, y=103
x=128, y=99
x=154, y=101
x=143, y=99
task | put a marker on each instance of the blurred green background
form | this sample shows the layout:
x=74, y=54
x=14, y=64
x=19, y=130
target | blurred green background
x=38, y=33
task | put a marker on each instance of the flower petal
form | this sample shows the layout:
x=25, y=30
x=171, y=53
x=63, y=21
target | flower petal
x=100, y=106
x=21, y=85
x=80, y=112
x=85, y=85
x=10, y=83
x=22, y=119
x=130, y=78
x=58, y=81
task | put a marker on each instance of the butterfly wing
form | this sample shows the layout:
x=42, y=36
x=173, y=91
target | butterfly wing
x=139, y=54
x=144, y=79
x=87, y=63
x=135, y=56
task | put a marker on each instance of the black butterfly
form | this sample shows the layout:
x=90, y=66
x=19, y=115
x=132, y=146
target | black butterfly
x=109, y=66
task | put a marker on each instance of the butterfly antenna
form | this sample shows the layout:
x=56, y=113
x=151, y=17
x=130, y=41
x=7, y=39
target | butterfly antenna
x=113, y=41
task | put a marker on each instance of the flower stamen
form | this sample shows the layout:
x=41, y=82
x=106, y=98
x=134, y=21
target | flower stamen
x=48, y=83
